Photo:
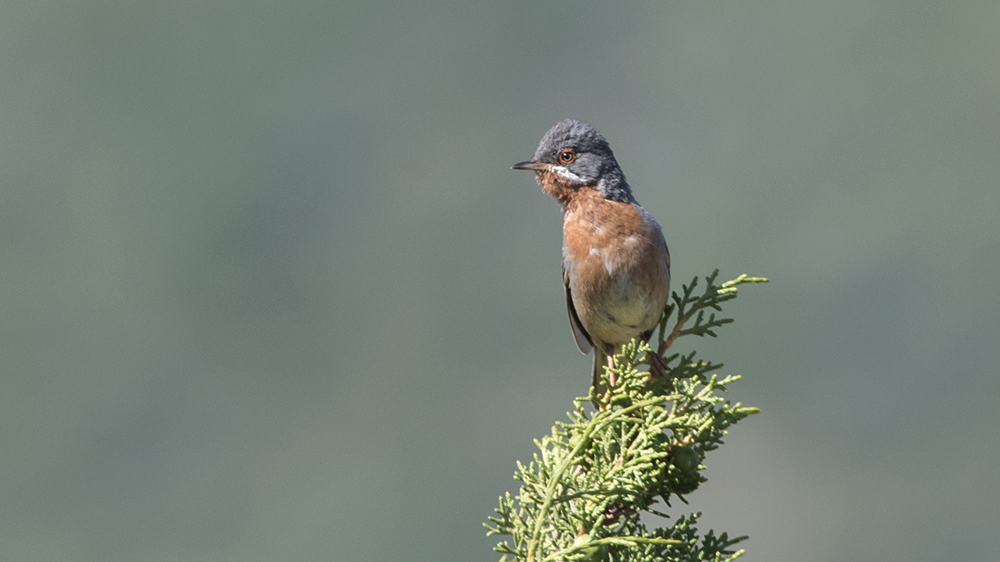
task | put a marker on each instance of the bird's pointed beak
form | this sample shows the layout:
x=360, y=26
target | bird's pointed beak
x=530, y=165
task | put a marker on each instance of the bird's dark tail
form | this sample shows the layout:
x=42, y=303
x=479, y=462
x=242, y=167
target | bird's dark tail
x=600, y=362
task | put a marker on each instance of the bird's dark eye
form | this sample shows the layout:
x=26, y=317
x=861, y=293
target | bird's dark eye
x=567, y=156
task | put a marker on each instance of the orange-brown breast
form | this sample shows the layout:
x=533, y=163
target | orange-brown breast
x=617, y=265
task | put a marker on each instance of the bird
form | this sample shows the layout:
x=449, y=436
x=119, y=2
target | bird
x=615, y=260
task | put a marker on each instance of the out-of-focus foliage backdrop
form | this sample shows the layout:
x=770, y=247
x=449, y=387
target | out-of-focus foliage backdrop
x=270, y=290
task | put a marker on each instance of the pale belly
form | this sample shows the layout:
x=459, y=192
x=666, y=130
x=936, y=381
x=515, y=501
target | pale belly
x=620, y=302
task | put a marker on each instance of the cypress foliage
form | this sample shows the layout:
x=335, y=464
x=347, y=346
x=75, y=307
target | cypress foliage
x=583, y=495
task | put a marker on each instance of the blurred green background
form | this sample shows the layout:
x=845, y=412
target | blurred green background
x=270, y=290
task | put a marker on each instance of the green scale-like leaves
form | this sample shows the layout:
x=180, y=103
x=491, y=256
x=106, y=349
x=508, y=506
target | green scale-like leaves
x=582, y=496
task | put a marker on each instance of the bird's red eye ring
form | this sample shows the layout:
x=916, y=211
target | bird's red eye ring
x=567, y=156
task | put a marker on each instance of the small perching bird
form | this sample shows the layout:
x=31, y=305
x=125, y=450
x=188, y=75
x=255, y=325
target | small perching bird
x=615, y=266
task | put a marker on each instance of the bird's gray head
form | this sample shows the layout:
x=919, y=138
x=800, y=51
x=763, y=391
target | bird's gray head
x=579, y=154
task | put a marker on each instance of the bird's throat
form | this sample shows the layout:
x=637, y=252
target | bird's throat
x=565, y=191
